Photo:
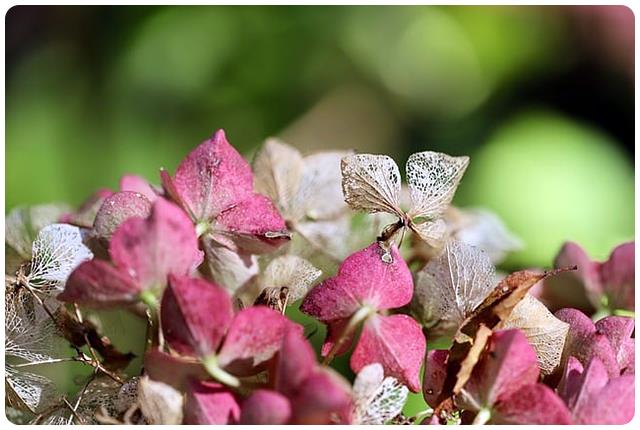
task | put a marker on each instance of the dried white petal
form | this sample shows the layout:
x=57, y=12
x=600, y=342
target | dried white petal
x=433, y=233
x=482, y=228
x=320, y=194
x=293, y=272
x=57, y=251
x=377, y=399
x=228, y=268
x=545, y=332
x=277, y=169
x=371, y=183
x=452, y=285
x=30, y=334
x=30, y=390
x=160, y=403
x=433, y=178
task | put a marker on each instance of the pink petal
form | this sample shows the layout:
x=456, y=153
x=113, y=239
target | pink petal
x=334, y=333
x=139, y=185
x=569, y=385
x=435, y=373
x=324, y=395
x=584, y=342
x=618, y=275
x=296, y=362
x=150, y=249
x=85, y=215
x=397, y=343
x=254, y=337
x=532, y=404
x=116, y=209
x=97, y=284
x=254, y=224
x=508, y=364
x=265, y=407
x=363, y=279
x=614, y=403
x=195, y=315
x=210, y=403
x=174, y=371
x=618, y=331
x=580, y=289
x=596, y=399
x=212, y=178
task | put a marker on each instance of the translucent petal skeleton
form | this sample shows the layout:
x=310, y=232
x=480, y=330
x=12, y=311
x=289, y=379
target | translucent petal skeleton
x=452, y=285
x=57, y=250
x=293, y=272
x=371, y=183
x=34, y=391
x=545, y=332
x=30, y=334
x=377, y=399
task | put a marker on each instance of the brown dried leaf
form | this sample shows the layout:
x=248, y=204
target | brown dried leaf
x=469, y=362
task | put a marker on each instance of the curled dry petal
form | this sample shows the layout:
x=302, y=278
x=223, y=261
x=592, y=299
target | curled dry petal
x=545, y=332
x=160, y=403
x=363, y=279
x=195, y=315
x=150, y=249
x=210, y=403
x=116, y=209
x=397, y=343
x=254, y=337
x=265, y=407
x=139, y=185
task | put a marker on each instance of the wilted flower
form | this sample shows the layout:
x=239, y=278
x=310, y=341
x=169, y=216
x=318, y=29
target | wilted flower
x=371, y=183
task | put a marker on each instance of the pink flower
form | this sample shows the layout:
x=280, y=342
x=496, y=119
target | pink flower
x=143, y=252
x=198, y=320
x=214, y=185
x=370, y=282
x=595, y=285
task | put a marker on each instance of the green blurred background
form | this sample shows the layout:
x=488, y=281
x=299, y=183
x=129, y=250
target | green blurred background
x=541, y=98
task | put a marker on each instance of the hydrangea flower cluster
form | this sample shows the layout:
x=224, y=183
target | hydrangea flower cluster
x=219, y=260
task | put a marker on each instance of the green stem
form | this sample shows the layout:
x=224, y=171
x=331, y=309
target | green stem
x=482, y=418
x=148, y=298
x=211, y=364
x=362, y=314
